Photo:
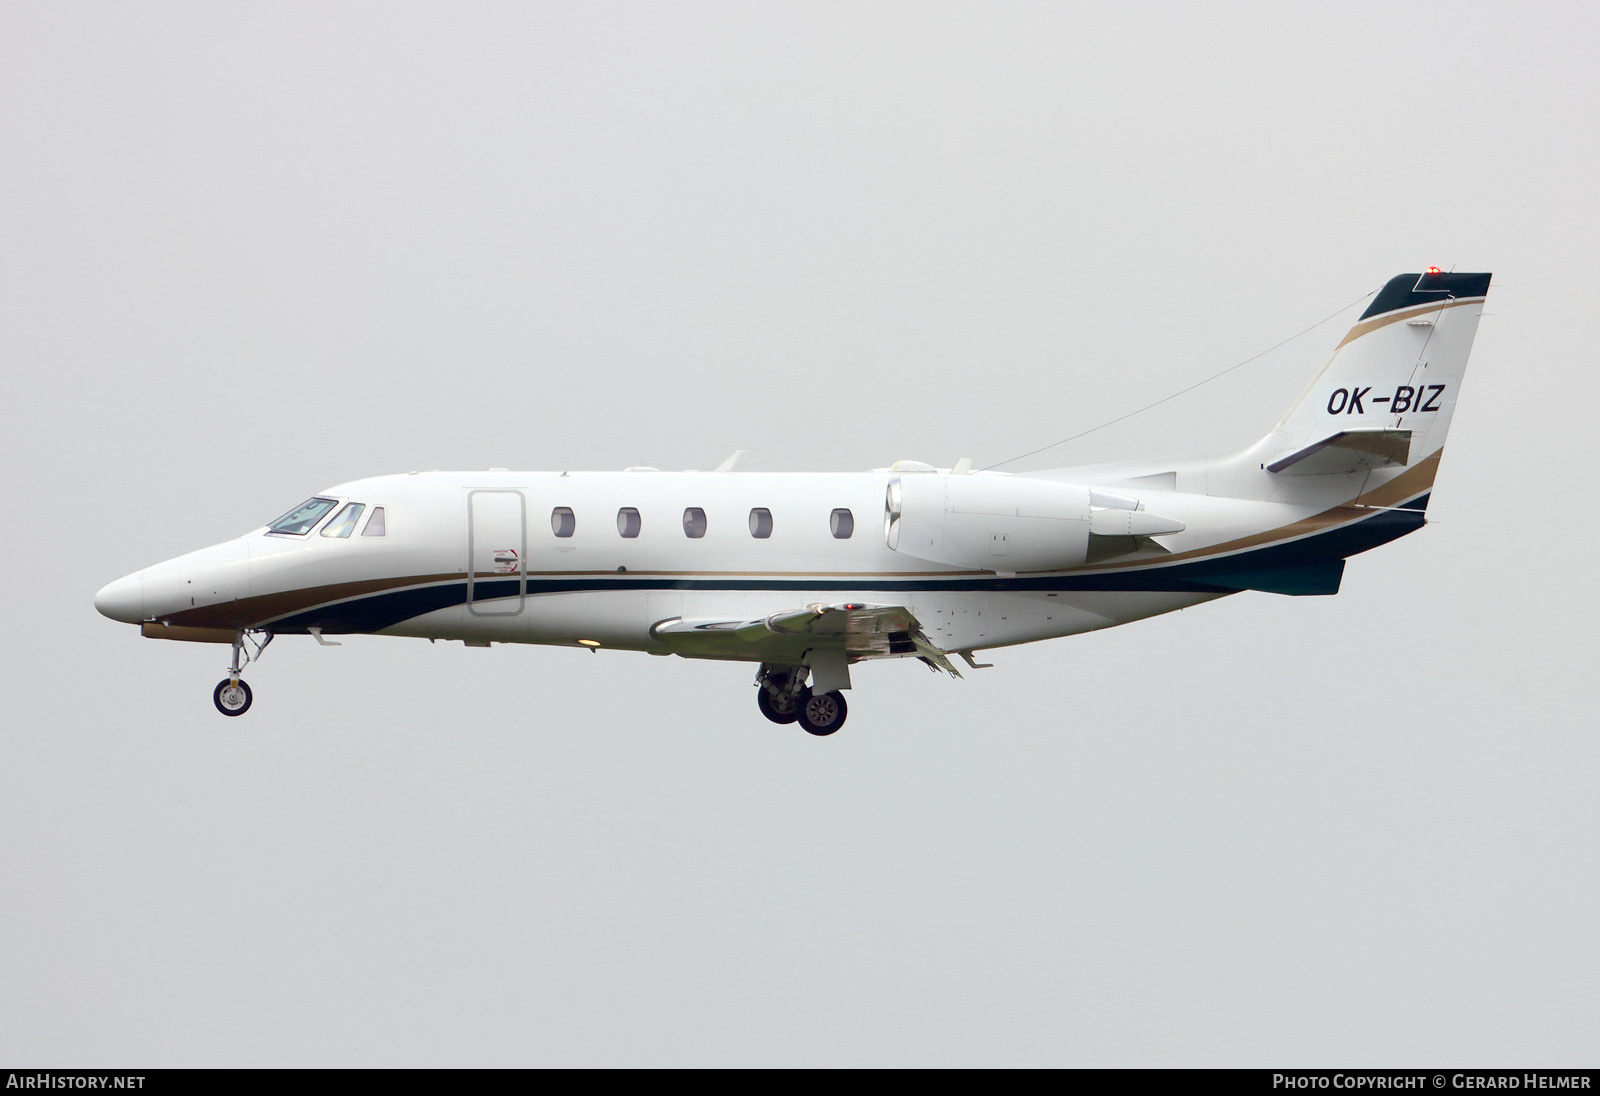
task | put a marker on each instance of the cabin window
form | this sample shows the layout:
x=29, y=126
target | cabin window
x=345, y=522
x=303, y=518
x=628, y=522
x=563, y=522
x=761, y=523
x=694, y=523
x=375, y=525
x=841, y=524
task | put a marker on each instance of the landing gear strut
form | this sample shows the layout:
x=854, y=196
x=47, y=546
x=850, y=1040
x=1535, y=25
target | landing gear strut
x=783, y=697
x=232, y=696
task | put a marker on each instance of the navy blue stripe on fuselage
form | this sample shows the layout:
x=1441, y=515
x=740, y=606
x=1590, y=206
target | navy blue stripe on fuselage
x=375, y=612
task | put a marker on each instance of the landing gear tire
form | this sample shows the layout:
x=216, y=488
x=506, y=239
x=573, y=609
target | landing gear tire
x=776, y=710
x=821, y=714
x=232, y=697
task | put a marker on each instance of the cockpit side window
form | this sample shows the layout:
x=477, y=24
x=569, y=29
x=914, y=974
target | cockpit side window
x=375, y=527
x=303, y=518
x=345, y=522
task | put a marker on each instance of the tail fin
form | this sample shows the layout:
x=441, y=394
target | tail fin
x=1385, y=398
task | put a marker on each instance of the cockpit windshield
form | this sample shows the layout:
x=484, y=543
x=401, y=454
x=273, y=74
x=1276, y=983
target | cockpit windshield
x=345, y=524
x=299, y=521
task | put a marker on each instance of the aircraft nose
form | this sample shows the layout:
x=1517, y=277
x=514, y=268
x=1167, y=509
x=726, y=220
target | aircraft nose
x=122, y=600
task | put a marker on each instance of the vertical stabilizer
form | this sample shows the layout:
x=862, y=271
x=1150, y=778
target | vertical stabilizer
x=1385, y=398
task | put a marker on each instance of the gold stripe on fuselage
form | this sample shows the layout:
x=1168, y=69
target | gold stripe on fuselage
x=247, y=611
x=1408, y=484
x=250, y=611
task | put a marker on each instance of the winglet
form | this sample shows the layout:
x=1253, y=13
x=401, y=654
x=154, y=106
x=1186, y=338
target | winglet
x=733, y=459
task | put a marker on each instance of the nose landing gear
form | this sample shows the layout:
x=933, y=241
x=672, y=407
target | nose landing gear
x=232, y=696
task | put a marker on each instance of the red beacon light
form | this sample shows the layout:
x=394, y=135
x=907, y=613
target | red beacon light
x=1434, y=270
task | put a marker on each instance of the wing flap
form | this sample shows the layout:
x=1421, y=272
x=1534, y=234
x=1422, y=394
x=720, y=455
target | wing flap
x=859, y=630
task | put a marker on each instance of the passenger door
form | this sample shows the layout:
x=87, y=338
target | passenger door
x=497, y=551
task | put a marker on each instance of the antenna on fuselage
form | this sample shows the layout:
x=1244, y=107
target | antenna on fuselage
x=733, y=459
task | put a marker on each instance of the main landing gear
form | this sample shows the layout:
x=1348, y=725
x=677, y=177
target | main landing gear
x=783, y=697
x=232, y=696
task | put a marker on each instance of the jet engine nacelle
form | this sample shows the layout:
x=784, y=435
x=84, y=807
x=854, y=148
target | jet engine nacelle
x=989, y=523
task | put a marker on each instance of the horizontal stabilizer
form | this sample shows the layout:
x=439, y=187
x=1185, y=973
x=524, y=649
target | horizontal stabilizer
x=1307, y=579
x=1348, y=451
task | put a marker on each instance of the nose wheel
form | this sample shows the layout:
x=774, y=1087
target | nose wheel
x=232, y=696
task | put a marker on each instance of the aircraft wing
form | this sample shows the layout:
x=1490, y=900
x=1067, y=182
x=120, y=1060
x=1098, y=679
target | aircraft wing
x=858, y=630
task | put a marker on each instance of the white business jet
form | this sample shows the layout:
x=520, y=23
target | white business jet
x=807, y=575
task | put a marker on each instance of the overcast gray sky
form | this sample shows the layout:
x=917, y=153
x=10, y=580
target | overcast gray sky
x=249, y=251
